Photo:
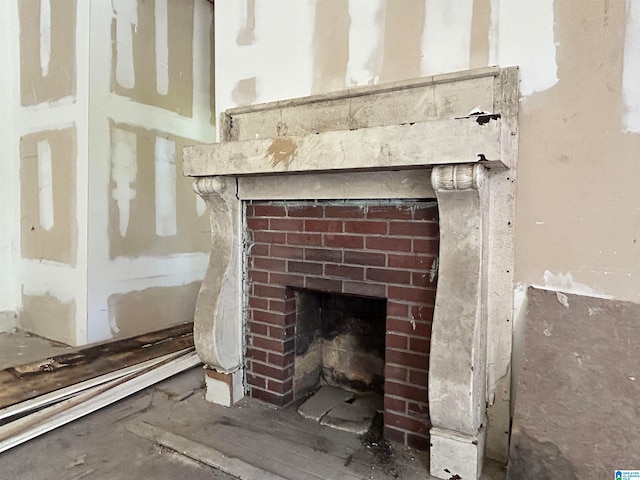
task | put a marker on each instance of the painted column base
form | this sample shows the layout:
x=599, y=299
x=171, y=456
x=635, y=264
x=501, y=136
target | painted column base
x=223, y=388
x=452, y=454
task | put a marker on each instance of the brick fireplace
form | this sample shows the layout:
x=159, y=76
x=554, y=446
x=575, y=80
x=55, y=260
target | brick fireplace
x=378, y=249
x=358, y=193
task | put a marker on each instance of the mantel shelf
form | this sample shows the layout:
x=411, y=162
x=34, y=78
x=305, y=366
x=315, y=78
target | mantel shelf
x=411, y=145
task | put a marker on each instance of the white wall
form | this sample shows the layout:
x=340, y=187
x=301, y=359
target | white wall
x=9, y=186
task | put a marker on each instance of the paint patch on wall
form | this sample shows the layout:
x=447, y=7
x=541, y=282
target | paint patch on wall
x=151, y=309
x=244, y=93
x=365, y=53
x=47, y=50
x=48, y=317
x=522, y=33
x=147, y=192
x=152, y=60
x=125, y=13
x=165, y=166
x=631, y=70
x=404, y=24
x=564, y=282
x=49, y=228
x=45, y=36
x=124, y=170
x=246, y=35
x=45, y=184
x=330, y=45
x=447, y=36
x=480, y=27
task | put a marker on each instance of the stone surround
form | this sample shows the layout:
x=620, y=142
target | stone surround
x=425, y=138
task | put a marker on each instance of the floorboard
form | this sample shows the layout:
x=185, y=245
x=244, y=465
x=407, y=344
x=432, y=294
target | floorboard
x=30, y=380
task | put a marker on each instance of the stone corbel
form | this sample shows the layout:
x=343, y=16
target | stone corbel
x=218, y=314
x=457, y=362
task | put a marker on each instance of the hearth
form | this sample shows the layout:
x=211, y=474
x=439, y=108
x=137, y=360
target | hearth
x=437, y=152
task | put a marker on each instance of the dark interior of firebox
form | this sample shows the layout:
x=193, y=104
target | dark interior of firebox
x=340, y=341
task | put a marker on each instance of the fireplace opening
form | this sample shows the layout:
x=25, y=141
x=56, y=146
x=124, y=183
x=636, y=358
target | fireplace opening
x=339, y=358
x=339, y=341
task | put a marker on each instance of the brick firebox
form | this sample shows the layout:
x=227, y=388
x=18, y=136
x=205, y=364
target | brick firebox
x=381, y=249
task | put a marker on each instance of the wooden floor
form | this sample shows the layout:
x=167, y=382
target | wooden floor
x=18, y=347
x=255, y=441
x=20, y=381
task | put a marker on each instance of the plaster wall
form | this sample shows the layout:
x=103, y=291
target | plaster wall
x=9, y=193
x=151, y=88
x=44, y=164
x=578, y=205
x=99, y=226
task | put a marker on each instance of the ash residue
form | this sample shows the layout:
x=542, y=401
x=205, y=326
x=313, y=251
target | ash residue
x=380, y=448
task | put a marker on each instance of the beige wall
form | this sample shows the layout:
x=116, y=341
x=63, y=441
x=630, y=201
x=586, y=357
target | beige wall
x=578, y=201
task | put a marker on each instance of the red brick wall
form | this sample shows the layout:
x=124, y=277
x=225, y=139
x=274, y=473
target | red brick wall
x=369, y=248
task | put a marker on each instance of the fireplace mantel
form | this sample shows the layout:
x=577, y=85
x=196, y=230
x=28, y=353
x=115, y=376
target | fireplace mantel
x=452, y=137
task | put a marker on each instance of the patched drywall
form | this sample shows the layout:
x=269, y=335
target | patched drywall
x=479, y=35
x=48, y=200
x=151, y=309
x=47, y=50
x=404, y=27
x=578, y=203
x=70, y=67
x=152, y=208
x=331, y=45
x=153, y=52
x=447, y=36
x=151, y=72
x=49, y=317
x=577, y=162
x=10, y=191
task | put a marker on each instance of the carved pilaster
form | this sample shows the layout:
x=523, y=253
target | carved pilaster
x=457, y=362
x=218, y=314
